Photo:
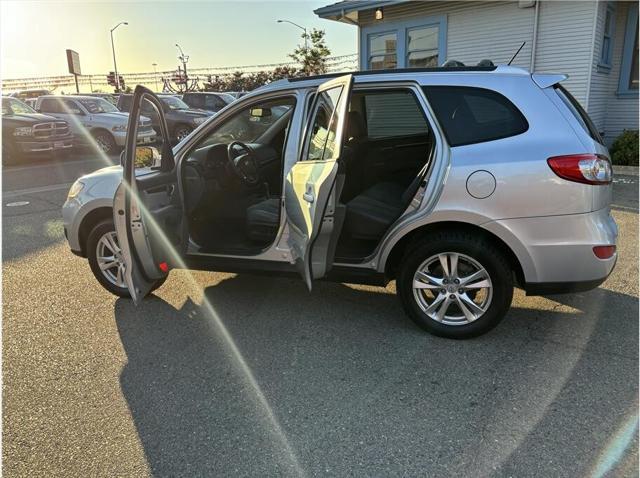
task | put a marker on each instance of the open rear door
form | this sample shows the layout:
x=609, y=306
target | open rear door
x=313, y=185
x=148, y=206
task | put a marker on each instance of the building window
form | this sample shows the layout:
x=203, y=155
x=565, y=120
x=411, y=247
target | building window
x=628, y=85
x=414, y=43
x=383, y=51
x=606, y=53
x=422, y=47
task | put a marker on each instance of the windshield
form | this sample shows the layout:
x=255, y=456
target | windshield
x=98, y=105
x=15, y=107
x=174, y=103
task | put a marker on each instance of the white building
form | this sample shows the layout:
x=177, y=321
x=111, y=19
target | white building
x=595, y=43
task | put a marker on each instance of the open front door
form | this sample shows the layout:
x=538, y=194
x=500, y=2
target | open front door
x=148, y=205
x=313, y=184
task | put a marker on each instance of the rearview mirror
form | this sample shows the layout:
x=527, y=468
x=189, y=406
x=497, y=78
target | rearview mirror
x=260, y=112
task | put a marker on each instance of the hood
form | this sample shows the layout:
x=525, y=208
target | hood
x=28, y=118
x=116, y=116
x=109, y=172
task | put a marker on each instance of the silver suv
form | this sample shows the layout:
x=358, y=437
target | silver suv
x=93, y=119
x=459, y=183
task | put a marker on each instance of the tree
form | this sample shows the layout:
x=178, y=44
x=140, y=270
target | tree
x=312, y=58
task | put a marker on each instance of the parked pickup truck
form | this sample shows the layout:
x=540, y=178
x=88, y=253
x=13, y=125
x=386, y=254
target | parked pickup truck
x=95, y=121
x=181, y=119
x=26, y=132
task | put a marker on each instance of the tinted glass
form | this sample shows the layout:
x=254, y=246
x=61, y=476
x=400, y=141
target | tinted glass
x=11, y=106
x=321, y=139
x=49, y=105
x=195, y=101
x=579, y=113
x=474, y=115
x=98, y=105
x=382, y=51
x=174, y=103
x=394, y=113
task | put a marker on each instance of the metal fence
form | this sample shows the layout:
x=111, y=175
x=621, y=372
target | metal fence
x=99, y=81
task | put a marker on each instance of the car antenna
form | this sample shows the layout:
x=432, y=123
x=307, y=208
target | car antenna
x=514, y=56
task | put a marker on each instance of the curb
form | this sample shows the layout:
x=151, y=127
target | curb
x=625, y=170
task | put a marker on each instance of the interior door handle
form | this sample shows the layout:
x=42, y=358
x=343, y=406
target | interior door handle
x=308, y=196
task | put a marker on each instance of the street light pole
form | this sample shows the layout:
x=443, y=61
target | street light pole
x=184, y=59
x=113, y=50
x=306, y=46
x=155, y=75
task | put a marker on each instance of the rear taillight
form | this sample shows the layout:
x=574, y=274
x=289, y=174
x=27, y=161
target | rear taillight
x=582, y=168
x=604, y=252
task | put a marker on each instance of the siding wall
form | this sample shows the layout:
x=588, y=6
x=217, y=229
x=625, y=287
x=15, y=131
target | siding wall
x=621, y=113
x=565, y=30
x=473, y=31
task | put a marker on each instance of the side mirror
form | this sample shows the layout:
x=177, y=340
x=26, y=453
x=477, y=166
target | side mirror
x=146, y=157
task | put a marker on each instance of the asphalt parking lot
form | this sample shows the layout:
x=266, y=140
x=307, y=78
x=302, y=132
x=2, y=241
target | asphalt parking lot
x=235, y=375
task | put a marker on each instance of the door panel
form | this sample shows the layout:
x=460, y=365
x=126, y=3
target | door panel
x=148, y=207
x=310, y=189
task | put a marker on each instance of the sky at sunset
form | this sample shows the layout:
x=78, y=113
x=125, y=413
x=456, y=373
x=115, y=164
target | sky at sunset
x=216, y=33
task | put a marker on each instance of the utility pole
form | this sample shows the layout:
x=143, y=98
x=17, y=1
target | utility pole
x=306, y=45
x=113, y=49
x=155, y=75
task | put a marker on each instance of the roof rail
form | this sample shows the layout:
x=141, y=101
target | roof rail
x=439, y=69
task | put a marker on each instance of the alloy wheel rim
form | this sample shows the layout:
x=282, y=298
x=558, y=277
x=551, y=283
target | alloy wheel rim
x=109, y=258
x=452, y=288
x=102, y=144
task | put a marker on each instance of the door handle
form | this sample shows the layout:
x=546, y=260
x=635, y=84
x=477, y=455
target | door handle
x=309, y=197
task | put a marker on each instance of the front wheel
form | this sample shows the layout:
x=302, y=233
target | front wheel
x=105, y=142
x=455, y=285
x=105, y=259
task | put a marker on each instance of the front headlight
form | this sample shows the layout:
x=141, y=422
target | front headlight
x=120, y=127
x=199, y=120
x=23, y=131
x=75, y=190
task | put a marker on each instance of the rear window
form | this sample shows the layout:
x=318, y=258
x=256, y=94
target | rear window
x=50, y=105
x=474, y=115
x=578, y=111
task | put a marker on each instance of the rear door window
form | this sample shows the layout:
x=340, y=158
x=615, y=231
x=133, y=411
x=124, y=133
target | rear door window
x=579, y=113
x=474, y=115
x=393, y=114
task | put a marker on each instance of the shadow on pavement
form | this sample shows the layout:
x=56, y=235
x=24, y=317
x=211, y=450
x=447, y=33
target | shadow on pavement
x=357, y=389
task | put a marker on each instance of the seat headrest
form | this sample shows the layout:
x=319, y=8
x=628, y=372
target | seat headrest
x=355, y=126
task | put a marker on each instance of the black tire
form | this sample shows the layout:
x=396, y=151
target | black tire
x=92, y=242
x=105, y=142
x=478, y=249
x=181, y=131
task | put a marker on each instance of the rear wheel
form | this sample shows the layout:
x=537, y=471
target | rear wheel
x=455, y=285
x=105, y=142
x=105, y=260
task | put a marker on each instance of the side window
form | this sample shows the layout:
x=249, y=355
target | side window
x=474, y=115
x=71, y=107
x=579, y=113
x=251, y=122
x=194, y=101
x=321, y=138
x=606, y=52
x=212, y=101
x=394, y=113
x=49, y=105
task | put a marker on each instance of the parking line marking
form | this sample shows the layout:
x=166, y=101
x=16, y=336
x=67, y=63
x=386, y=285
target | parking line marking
x=42, y=189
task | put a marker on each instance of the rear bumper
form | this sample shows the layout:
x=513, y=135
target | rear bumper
x=556, y=252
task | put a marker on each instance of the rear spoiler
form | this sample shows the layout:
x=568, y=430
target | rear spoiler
x=545, y=80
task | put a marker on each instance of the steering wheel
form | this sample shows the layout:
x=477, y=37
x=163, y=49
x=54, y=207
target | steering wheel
x=245, y=165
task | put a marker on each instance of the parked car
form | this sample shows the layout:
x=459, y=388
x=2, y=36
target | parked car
x=457, y=183
x=27, y=94
x=31, y=102
x=181, y=119
x=95, y=120
x=26, y=132
x=208, y=101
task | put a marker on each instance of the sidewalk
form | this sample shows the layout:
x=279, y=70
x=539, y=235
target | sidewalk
x=625, y=170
